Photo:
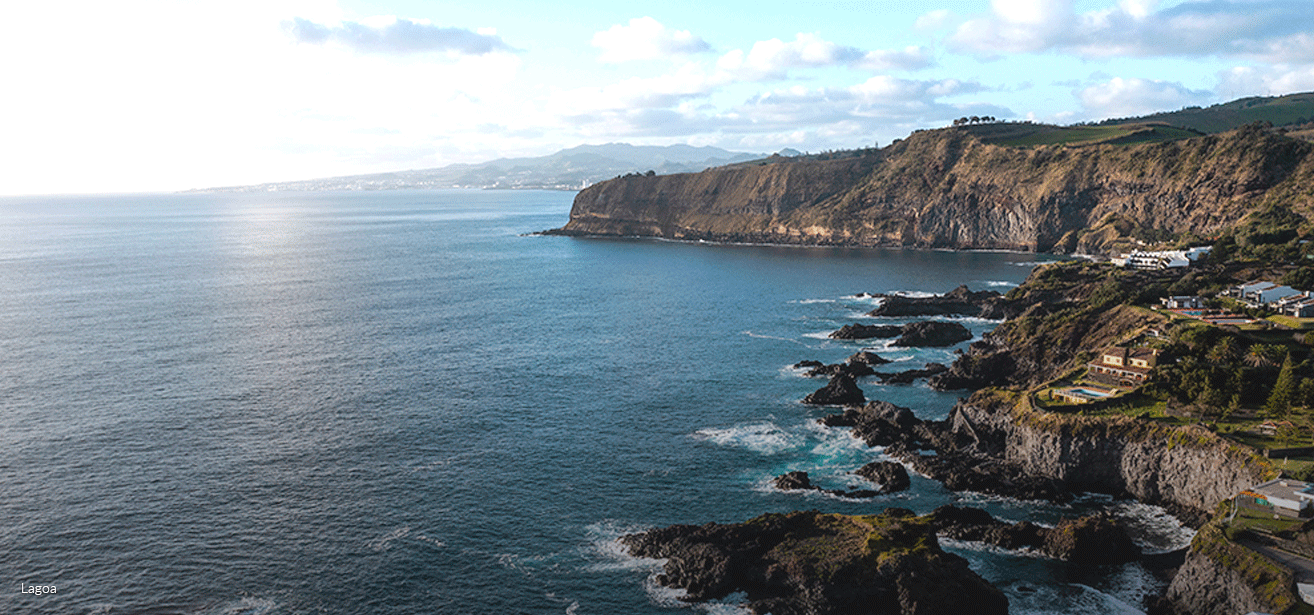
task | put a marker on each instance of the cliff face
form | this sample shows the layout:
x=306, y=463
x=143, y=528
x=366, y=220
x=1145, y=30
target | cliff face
x=945, y=188
x=1220, y=577
x=1176, y=466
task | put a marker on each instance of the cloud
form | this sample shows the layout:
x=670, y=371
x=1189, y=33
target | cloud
x=908, y=58
x=645, y=39
x=392, y=35
x=1272, y=30
x=1120, y=97
x=1265, y=81
x=774, y=58
x=879, y=105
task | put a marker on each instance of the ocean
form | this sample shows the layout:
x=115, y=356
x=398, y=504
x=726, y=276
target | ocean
x=406, y=403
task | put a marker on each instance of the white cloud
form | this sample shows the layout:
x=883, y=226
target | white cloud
x=934, y=20
x=882, y=105
x=908, y=58
x=773, y=58
x=389, y=34
x=1121, y=97
x=1272, y=30
x=644, y=38
x=1266, y=80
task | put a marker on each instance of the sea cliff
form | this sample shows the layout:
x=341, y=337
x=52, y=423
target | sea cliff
x=948, y=189
x=1182, y=467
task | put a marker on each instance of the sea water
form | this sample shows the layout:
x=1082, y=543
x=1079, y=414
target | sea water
x=406, y=403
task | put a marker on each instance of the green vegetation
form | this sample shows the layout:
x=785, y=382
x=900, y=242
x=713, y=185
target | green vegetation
x=1032, y=135
x=1272, y=583
x=1277, y=110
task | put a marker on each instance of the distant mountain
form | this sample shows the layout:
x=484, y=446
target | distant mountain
x=568, y=169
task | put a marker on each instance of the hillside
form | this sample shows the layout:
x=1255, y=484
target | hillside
x=568, y=169
x=1277, y=110
x=948, y=188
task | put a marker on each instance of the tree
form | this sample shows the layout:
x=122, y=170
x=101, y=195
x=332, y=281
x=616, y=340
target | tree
x=1279, y=401
x=1306, y=392
x=1262, y=355
x=1225, y=352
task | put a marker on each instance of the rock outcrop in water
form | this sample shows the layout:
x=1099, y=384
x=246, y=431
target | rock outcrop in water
x=842, y=390
x=947, y=189
x=924, y=333
x=859, y=331
x=808, y=563
x=1090, y=540
x=933, y=333
x=800, y=481
x=960, y=301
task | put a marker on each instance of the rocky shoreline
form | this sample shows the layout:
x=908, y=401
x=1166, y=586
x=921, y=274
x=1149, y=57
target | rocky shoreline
x=994, y=442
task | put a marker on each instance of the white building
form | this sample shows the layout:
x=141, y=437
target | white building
x=1289, y=497
x=1169, y=259
x=1183, y=302
x=1260, y=294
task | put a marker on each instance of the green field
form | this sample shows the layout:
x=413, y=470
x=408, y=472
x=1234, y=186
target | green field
x=1030, y=135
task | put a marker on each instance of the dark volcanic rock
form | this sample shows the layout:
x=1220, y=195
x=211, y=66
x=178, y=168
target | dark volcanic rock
x=808, y=563
x=856, y=370
x=959, y=301
x=967, y=472
x=858, y=331
x=793, y=481
x=1091, y=540
x=867, y=357
x=975, y=371
x=907, y=376
x=799, y=481
x=933, y=333
x=881, y=423
x=807, y=363
x=840, y=391
x=891, y=476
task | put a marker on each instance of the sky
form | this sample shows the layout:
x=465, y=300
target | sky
x=163, y=95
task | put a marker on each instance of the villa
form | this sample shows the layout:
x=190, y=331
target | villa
x=1123, y=367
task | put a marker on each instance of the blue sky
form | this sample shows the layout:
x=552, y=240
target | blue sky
x=159, y=95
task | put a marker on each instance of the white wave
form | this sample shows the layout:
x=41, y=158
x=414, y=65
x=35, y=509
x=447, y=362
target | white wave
x=405, y=532
x=819, y=335
x=1152, y=527
x=999, y=283
x=1034, y=264
x=969, y=545
x=814, y=301
x=766, y=438
x=789, y=371
x=660, y=595
x=1072, y=599
x=673, y=598
x=1115, y=605
x=914, y=294
x=773, y=337
x=249, y=605
x=972, y=320
x=384, y=543
x=606, y=552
